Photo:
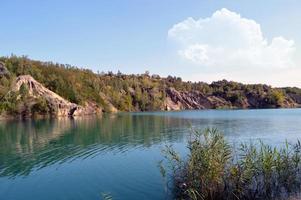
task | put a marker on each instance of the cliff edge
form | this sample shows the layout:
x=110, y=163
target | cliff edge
x=57, y=105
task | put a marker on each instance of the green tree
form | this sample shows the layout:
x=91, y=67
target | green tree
x=24, y=92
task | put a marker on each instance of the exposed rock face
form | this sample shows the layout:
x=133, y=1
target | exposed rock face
x=88, y=109
x=109, y=106
x=61, y=106
x=295, y=97
x=256, y=101
x=176, y=100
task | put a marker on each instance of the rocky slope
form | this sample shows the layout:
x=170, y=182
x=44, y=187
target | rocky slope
x=59, y=105
x=176, y=100
x=64, y=90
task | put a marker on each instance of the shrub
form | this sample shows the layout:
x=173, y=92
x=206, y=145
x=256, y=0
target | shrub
x=213, y=170
x=40, y=107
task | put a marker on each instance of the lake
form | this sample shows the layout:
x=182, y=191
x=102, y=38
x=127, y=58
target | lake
x=82, y=158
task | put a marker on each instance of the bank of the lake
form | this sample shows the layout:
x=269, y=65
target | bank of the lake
x=29, y=88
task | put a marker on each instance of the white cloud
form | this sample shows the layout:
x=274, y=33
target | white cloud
x=228, y=41
x=281, y=78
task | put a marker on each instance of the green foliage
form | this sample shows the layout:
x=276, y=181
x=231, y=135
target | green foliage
x=213, y=171
x=40, y=107
x=292, y=90
x=276, y=97
x=9, y=103
x=132, y=92
x=24, y=92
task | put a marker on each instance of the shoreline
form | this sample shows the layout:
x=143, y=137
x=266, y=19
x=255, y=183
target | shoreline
x=5, y=117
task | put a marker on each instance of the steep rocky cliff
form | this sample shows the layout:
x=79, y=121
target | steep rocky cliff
x=59, y=105
x=176, y=100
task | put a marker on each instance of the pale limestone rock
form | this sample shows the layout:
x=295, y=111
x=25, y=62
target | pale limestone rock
x=62, y=106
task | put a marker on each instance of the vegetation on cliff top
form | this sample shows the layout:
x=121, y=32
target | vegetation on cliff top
x=142, y=92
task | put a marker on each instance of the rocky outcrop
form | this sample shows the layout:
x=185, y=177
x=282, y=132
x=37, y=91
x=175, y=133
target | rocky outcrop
x=173, y=100
x=176, y=100
x=59, y=105
x=107, y=105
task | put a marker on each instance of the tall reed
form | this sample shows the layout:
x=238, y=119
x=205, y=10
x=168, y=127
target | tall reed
x=213, y=170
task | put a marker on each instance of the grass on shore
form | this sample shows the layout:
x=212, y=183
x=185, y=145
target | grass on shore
x=213, y=170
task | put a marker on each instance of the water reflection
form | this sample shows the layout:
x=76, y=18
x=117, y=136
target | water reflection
x=34, y=144
x=82, y=157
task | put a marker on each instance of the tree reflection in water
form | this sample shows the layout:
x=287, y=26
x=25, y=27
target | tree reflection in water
x=34, y=144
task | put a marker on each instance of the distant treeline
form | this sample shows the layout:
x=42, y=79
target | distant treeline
x=135, y=92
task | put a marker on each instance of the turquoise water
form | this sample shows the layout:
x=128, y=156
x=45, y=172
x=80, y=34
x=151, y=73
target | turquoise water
x=118, y=154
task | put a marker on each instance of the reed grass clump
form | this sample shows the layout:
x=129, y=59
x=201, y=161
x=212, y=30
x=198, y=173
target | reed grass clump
x=214, y=170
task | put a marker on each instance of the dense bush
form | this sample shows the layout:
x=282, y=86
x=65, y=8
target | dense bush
x=41, y=107
x=213, y=170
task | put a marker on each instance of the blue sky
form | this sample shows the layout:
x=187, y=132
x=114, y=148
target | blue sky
x=133, y=36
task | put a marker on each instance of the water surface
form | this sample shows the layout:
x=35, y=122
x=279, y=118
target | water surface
x=82, y=158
